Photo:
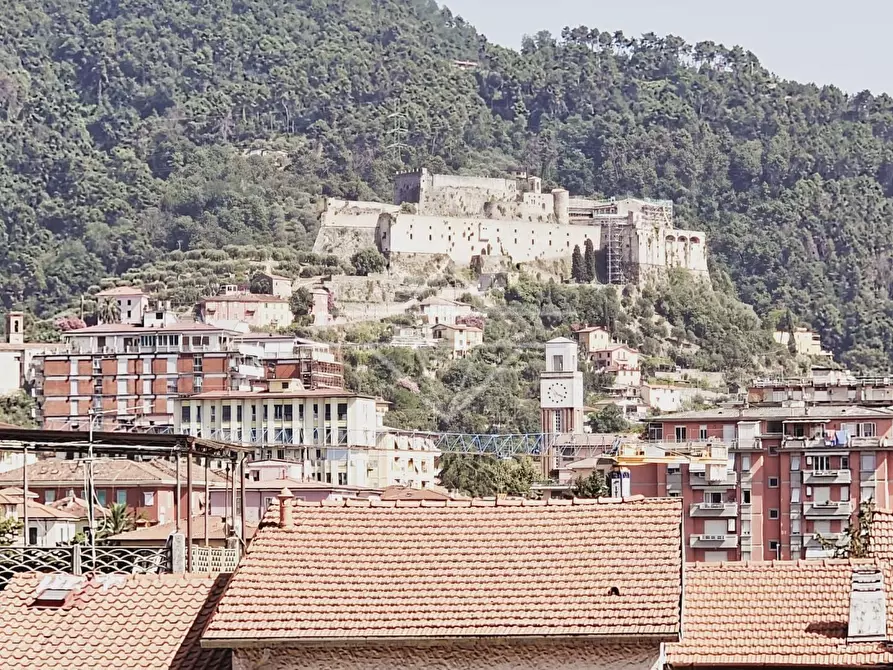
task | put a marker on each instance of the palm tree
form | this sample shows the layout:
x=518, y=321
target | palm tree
x=108, y=311
x=118, y=520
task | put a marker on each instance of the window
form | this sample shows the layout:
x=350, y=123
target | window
x=821, y=463
x=844, y=493
x=558, y=363
x=197, y=364
x=795, y=463
x=773, y=514
x=745, y=496
x=866, y=493
x=773, y=482
x=774, y=427
x=342, y=479
x=773, y=451
x=101, y=496
x=172, y=385
x=253, y=413
x=867, y=462
x=32, y=536
x=655, y=432
x=315, y=412
x=227, y=413
x=867, y=430
x=774, y=547
x=213, y=414
x=288, y=436
x=712, y=497
x=280, y=454
x=328, y=414
x=681, y=433
x=289, y=412
x=328, y=478
x=148, y=498
x=844, y=462
x=795, y=495
x=49, y=496
x=277, y=412
x=239, y=413
x=821, y=494
x=745, y=527
x=795, y=526
x=342, y=411
x=556, y=422
x=702, y=432
x=745, y=462
x=121, y=496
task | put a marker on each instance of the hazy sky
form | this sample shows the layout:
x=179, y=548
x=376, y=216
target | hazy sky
x=842, y=42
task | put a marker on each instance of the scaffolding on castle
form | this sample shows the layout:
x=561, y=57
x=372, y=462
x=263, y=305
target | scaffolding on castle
x=614, y=253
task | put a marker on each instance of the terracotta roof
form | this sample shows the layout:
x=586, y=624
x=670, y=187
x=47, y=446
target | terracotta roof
x=159, y=532
x=882, y=535
x=756, y=413
x=120, y=290
x=129, y=329
x=362, y=569
x=106, y=472
x=127, y=622
x=244, y=297
x=38, y=510
x=791, y=613
x=459, y=326
x=78, y=507
x=17, y=491
x=409, y=493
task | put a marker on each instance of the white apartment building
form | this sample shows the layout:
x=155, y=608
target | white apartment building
x=335, y=435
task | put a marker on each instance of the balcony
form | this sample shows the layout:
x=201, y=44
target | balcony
x=827, y=477
x=726, y=509
x=799, y=443
x=865, y=442
x=728, y=480
x=714, y=541
x=832, y=509
x=247, y=370
x=838, y=539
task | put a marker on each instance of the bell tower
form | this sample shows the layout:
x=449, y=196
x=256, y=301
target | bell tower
x=561, y=389
x=15, y=327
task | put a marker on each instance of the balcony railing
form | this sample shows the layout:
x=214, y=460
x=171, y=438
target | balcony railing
x=723, y=509
x=833, y=539
x=830, y=508
x=714, y=541
x=728, y=479
x=79, y=559
x=827, y=477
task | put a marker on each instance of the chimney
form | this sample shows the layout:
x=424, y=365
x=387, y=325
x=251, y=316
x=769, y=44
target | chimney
x=286, y=515
x=868, y=606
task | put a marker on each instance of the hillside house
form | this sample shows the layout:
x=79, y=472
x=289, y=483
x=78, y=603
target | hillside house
x=620, y=360
x=255, y=310
x=436, y=310
x=459, y=339
x=132, y=302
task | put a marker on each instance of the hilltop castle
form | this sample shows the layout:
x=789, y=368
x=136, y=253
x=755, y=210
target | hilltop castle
x=464, y=217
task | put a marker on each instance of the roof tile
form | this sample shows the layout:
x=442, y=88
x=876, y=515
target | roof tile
x=428, y=569
x=782, y=613
x=127, y=622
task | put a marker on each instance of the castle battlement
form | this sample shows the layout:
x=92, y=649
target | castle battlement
x=464, y=217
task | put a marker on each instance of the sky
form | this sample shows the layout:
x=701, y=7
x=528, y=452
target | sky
x=845, y=43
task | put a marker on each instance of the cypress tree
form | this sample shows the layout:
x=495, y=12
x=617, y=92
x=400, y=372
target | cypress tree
x=577, y=265
x=589, y=263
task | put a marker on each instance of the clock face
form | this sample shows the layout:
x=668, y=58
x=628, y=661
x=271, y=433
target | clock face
x=557, y=392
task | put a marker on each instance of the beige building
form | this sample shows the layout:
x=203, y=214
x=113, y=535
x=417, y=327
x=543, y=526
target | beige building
x=280, y=286
x=258, y=311
x=621, y=361
x=467, y=218
x=595, y=338
x=17, y=356
x=806, y=342
x=132, y=302
x=437, y=310
x=458, y=339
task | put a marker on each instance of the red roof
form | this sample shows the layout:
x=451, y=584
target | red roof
x=129, y=329
x=366, y=570
x=791, y=613
x=882, y=535
x=126, y=622
x=120, y=290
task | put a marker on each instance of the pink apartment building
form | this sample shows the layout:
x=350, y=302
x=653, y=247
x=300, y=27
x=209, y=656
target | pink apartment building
x=794, y=474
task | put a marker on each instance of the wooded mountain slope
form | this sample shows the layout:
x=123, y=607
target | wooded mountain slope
x=125, y=129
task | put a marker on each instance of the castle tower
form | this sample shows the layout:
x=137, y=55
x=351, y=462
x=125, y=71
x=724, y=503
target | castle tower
x=561, y=389
x=15, y=327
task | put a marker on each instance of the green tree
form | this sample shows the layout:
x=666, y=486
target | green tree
x=590, y=264
x=108, y=311
x=261, y=284
x=300, y=302
x=609, y=419
x=10, y=531
x=577, y=271
x=119, y=519
x=857, y=543
x=368, y=261
x=18, y=409
x=481, y=475
x=595, y=485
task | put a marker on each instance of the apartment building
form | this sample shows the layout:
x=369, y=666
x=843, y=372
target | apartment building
x=823, y=386
x=795, y=476
x=128, y=376
x=331, y=436
x=318, y=365
x=253, y=309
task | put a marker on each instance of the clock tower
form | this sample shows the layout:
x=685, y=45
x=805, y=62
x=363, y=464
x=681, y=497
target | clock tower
x=561, y=388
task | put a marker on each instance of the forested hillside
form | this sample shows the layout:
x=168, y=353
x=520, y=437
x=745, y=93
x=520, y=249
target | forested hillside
x=127, y=130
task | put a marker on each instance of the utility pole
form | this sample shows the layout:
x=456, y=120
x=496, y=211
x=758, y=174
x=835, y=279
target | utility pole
x=397, y=135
